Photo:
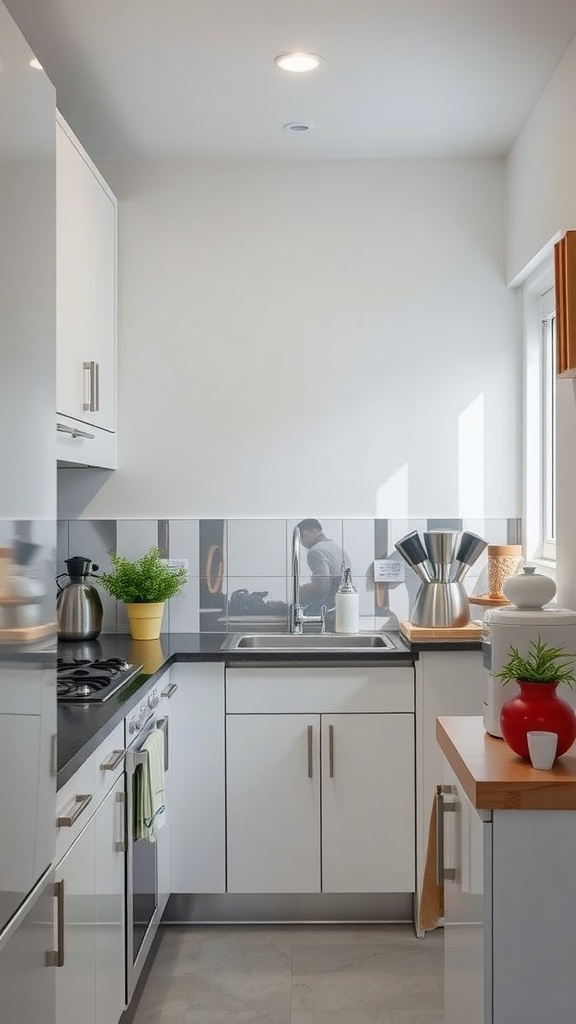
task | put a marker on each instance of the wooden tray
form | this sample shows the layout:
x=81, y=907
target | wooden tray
x=473, y=631
x=27, y=634
x=489, y=602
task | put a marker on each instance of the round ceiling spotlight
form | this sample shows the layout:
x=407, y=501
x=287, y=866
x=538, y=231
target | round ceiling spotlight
x=298, y=61
x=297, y=126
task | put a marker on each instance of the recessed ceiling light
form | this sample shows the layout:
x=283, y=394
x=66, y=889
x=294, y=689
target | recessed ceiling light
x=35, y=63
x=298, y=61
x=297, y=126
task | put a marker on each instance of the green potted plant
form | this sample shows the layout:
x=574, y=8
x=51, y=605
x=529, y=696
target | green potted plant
x=144, y=585
x=537, y=707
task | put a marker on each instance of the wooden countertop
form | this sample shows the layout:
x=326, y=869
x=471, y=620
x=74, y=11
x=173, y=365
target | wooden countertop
x=495, y=778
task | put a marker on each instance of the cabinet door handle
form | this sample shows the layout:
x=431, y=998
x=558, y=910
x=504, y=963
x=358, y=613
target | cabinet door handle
x=170, y=690
x=113, y=761
x=442, y=874
x=310, y=762
x=62, y=428
x=331, y=750
x=93, y=370
x=82, y=802
x=55, y=958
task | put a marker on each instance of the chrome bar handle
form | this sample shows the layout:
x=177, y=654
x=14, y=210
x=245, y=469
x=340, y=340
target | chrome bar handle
x=170, y=690
x=442, y=874
x=55, y=957
x=89, y=405
x=331, y=750
x=82, y=801
x=63, y=428
x=310, y=763
x=114, y=760
x=96, y=387
x=323, y=619
x=120, y=846
x=162, y=723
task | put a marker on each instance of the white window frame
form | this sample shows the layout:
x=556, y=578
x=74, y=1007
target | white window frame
x=539, y=414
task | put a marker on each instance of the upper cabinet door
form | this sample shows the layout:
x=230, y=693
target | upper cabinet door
x=86, y=213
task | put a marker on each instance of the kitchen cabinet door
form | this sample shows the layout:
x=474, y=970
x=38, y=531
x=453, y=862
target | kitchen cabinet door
x=467, y=852
x=273, y=801
x=86, y=287
x=109, y=846
x=368, y=812
x=75, y=979
x=197, y=781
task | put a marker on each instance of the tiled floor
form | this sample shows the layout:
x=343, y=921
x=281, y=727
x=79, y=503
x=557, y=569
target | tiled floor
x=304, y=974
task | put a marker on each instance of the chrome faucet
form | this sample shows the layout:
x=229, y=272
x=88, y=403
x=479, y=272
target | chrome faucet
x=297, y=616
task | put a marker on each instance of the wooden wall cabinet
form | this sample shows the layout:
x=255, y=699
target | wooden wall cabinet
x=565, y=285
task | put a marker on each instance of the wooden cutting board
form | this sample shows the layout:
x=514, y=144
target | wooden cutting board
x=27, y=634
x=473, y=631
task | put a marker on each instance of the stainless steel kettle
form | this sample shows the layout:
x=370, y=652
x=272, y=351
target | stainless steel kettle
x=78, y=605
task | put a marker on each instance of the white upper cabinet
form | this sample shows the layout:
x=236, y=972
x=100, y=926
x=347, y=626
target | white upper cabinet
x=86, y=225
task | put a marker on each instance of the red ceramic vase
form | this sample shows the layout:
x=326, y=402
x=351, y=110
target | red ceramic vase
x=537, y=707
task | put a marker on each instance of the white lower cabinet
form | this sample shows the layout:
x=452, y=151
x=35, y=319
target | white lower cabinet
x=510, y=906
x=76, y=977
x=273, y=802
x=320, y=802
x=90, y=983
x=197, y=786
x=108, y=823
x=368, y=803
x=466, y=859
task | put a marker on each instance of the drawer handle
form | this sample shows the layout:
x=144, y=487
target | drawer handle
x=169, y=691
x=331, y=750
x=114, y=760
x=63, y=428
x=310, y=764
x=55, y=958
x=82, y=801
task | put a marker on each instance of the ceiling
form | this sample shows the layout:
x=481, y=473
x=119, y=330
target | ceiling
x=196, y=78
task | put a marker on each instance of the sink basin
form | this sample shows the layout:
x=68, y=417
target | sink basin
x=307, y=642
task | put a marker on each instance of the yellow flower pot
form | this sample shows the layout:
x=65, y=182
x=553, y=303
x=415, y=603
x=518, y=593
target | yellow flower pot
x=145, y=620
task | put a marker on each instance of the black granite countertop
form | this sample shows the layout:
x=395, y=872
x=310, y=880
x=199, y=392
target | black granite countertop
x=83, y=727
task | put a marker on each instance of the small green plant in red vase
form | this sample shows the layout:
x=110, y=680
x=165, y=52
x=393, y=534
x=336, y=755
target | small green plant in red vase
x=538, y=707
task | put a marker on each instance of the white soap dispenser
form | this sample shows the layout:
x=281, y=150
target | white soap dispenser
x=347, y=609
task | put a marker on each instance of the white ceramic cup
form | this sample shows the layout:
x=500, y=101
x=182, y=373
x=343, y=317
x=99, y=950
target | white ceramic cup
x=542, y=747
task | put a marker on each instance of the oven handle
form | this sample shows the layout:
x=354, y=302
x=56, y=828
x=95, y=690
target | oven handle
x=162, y=723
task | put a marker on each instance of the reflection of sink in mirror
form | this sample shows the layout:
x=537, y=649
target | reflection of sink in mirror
x=306, y=641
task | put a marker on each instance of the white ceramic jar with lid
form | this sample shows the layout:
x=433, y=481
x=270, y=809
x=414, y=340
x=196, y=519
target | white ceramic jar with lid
x=529, y=589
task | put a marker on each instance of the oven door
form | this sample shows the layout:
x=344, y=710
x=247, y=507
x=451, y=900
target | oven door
x=144, y=903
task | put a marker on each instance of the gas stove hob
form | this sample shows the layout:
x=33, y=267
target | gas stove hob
x=81, y=681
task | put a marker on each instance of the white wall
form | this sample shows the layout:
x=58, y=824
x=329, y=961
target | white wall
x=542, y=204
x=325, y=338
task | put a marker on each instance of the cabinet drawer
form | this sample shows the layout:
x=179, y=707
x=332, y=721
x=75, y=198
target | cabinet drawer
x=319, y=690
x=68, y=805
x=108, y=753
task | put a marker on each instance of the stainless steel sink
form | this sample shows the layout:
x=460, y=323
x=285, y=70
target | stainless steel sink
x=307, y=642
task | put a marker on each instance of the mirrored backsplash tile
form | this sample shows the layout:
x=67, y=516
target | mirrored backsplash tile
x=239, y=570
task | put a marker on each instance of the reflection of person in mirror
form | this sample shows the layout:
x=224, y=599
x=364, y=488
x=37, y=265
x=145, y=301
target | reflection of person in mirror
x=325, y=560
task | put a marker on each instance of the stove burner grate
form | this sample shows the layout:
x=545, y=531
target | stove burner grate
x=82, y=680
